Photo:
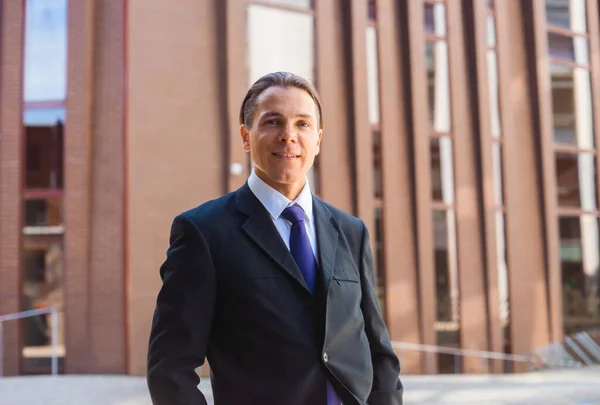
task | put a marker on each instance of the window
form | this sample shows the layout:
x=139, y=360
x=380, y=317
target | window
x=498, y=168
x=279, y=40
x=569, y=14
x=442, y=179
x=44, y=148
x=575, y=162
x=436, y=57
x=579, y=264
x=300, y=4
x=379, y=259
x=372, y=75
x=45, y=76
x=45, y=71
x=376, y=141
x=371, y=10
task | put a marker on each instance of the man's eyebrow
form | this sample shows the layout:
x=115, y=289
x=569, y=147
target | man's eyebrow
x=278, y=114
x=271, y=114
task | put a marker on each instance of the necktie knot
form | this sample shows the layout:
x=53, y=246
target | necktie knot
x=293, y=213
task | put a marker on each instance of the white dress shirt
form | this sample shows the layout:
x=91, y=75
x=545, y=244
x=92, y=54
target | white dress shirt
x=275, y=203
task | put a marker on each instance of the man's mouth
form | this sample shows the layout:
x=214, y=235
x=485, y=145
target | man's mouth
x=286, y=155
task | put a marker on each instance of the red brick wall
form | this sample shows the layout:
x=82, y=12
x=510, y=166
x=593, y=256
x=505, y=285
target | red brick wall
x=77, y=204
x=175, y=140
x=94, y=194
x=107, y=278
x=11, y=176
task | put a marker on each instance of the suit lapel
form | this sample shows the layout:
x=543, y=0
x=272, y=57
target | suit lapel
x=260, y=228
x=327, y=238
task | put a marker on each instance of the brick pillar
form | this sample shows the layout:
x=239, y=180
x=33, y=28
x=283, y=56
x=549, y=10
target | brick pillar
x=11, y=177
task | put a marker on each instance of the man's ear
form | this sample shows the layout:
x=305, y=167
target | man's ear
x=245, y=134
x=319, y=142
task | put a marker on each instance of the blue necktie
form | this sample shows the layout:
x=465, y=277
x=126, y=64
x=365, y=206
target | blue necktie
x=303, y=255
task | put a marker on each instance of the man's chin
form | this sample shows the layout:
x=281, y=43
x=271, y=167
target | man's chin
x=288, y=179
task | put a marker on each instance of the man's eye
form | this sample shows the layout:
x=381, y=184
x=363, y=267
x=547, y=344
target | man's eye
x=273, y=122
x=303, y=124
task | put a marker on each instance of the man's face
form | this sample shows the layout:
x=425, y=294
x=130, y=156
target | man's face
x=284, y=138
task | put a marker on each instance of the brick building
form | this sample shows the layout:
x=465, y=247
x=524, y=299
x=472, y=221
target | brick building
x=463, y=132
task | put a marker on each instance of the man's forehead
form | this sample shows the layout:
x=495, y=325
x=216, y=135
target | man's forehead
x=274, y=100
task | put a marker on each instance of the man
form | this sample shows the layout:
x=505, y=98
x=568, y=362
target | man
x=270, y=284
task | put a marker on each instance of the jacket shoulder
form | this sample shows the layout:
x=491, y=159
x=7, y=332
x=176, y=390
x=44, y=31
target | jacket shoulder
x=346, y=221
x=210, y=211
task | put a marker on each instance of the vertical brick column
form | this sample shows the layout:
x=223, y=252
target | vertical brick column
x=524, y=195
x=335, y=160
x=362, y=138
x=107, y=344
x=11, y=177
x=469, y=224
x=421, y=158
x=236, y=87
x=78, y=169
x=400, y=258
x=476, y=28
x=174, y=140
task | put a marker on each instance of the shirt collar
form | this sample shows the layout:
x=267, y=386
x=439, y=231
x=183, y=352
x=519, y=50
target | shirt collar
x=275, y=202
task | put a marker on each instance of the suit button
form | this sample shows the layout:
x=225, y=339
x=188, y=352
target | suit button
x=309, y=302
x=325, y=357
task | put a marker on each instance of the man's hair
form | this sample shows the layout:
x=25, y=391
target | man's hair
x=276, y=79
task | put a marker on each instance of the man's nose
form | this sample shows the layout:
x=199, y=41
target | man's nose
x=288, y=134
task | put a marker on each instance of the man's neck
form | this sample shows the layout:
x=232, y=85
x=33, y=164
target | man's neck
x=291, y=191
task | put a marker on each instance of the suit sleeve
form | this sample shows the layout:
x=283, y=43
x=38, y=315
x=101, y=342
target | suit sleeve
x=387, y=388
x=182, y=318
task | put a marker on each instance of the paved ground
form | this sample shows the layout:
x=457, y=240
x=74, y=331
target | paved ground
x=548, y=388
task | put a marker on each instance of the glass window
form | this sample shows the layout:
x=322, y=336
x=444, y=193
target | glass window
x=576, y=180
x=570, y=14
x=372, y=10
x=503, y=288
x=44, y=148
x=43, y=212
x=571, y=49
x=306, y=4
x=45, y=76
x=497, y=161
x=572, y=106
x=494, y=93
x=438, y=82
x=435, y=19
x=448, y=336
x=448, y=363
x=580, y=249
x=442, y=170
x=44, y=116
x=279, y=40
x=372, y=75
x=446, y=275
x=379, y=259
x=42, y=287
x=377, y=163
x=491, y=30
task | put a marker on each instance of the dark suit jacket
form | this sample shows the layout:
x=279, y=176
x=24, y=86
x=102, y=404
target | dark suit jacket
x=232, y=294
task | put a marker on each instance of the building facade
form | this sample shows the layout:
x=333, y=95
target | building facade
x=463, y=133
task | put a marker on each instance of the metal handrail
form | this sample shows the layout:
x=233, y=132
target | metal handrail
x=27, y=314
x=531, y=359
x=457, y=353
x=462, y=352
